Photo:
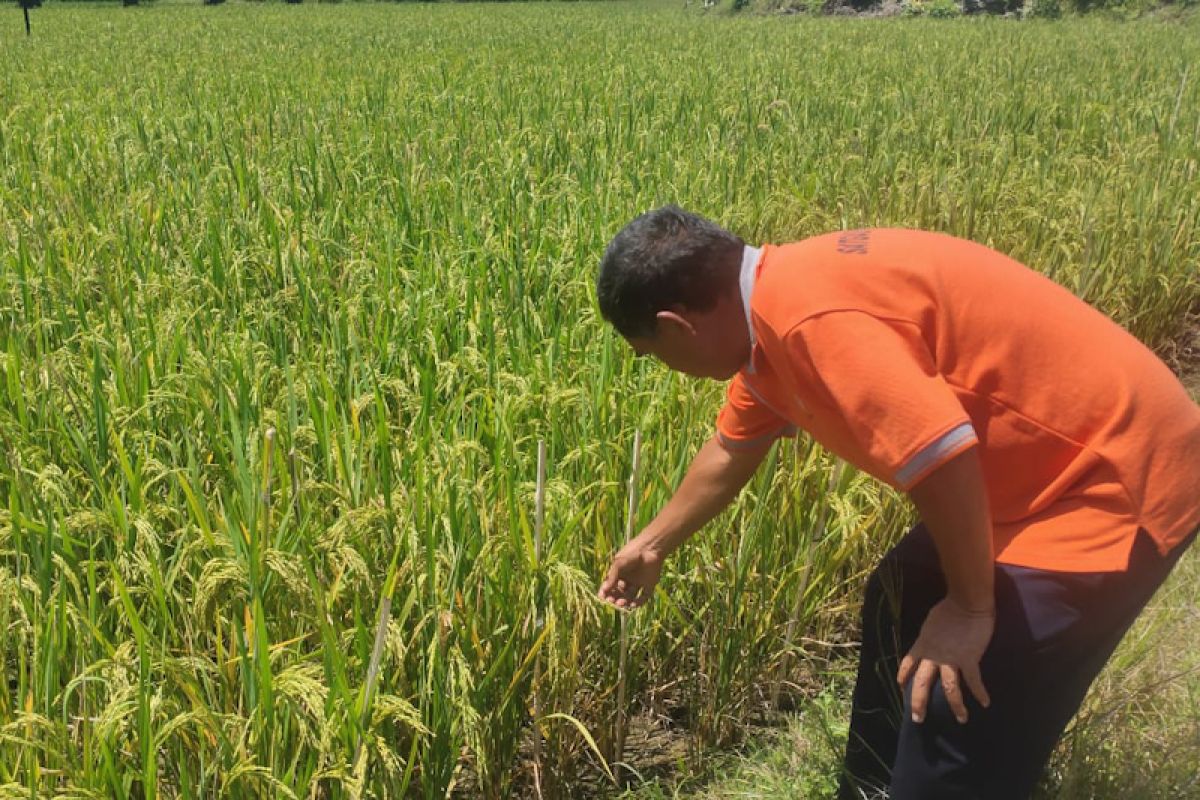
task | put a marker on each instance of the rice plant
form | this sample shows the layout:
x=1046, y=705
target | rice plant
x=288, y=298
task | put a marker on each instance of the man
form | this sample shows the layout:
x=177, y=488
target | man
x=1052, y=458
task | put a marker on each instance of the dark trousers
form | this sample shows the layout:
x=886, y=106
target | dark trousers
x=1054, y=632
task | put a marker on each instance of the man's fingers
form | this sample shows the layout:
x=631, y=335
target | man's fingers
x=923, y=677
x=608, y=589
x=642, y=595
x=627, y=585
x=613, y=591
x=974, y=681
x=606, y=584
x=953, y=692
x=906, y=668
x=922, y=685
x=623, y=594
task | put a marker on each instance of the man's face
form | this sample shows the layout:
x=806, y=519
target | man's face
x=699, y=344
x=679, y=356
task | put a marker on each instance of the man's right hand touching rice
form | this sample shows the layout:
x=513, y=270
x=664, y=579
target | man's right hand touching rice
x=633, y=575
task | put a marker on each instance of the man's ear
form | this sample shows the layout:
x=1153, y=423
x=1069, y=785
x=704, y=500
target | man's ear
x=674, y=322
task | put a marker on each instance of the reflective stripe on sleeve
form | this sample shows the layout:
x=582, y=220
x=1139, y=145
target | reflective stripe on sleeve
x=935, y=452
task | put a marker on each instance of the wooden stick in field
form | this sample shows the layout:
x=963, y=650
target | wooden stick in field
x=268, y=457
x=622, y=717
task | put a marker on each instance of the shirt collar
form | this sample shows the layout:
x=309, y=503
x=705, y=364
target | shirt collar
x=750, y=256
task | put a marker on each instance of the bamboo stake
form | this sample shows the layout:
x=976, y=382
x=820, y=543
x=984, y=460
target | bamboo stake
x=623, y=659
x=539, y=520
x=268, y=458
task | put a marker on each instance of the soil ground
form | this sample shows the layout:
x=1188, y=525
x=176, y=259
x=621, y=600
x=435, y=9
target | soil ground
x=1184, y=357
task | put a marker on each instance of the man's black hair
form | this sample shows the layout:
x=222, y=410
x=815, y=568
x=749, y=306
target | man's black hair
x=664, y=258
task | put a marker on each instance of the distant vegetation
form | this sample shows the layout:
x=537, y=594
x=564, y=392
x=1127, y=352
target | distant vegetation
x=1047, y=9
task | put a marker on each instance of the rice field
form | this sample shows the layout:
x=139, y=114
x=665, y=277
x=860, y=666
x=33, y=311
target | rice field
x=289, y=295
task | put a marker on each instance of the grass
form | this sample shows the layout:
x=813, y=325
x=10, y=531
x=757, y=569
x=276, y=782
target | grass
x=285, y=311
x=1138, y=734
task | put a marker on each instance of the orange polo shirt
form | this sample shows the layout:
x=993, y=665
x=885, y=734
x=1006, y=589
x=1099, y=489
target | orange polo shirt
x=899, y=349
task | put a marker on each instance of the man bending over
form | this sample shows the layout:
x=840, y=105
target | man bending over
x=1054, y=462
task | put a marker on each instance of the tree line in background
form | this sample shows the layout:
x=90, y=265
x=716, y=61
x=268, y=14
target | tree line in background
x=932, y=8
x=1047, y=9
x=38, y=3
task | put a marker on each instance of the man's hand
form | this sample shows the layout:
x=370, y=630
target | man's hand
x=953, y=503
x=714, y=478
x=633, y=575
x=949, y=647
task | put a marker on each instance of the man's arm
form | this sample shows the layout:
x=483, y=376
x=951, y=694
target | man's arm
x=713, y=480
x=953, y=504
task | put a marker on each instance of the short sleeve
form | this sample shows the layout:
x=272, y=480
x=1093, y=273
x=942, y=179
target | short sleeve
x=746, y=422
x=881, y=379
